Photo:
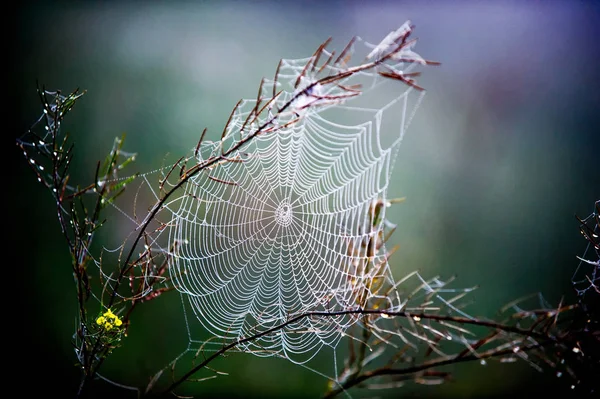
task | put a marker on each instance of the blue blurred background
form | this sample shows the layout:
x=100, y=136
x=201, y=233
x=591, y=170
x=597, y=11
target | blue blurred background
x=502, y=154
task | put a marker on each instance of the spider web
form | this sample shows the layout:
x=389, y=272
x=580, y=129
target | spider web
x=284, y=225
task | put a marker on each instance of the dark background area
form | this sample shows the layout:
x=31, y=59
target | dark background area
x=501, y=156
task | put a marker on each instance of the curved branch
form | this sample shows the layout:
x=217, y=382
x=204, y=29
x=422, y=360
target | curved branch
x=455, y=359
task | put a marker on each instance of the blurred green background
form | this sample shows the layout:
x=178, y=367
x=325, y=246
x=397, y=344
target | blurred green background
x=500, y=157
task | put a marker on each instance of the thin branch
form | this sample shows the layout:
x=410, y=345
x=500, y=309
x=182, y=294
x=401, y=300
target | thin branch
x=424, y=316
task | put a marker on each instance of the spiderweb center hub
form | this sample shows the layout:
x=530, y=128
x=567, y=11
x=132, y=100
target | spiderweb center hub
x=283, y=213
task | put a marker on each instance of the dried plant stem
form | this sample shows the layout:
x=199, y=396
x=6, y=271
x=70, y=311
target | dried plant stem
x=547, y=340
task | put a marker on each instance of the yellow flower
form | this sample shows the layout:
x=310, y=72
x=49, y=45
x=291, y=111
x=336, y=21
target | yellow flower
x=109, y=320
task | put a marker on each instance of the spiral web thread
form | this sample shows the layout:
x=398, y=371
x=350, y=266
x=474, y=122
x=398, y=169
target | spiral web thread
x=293, y=221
